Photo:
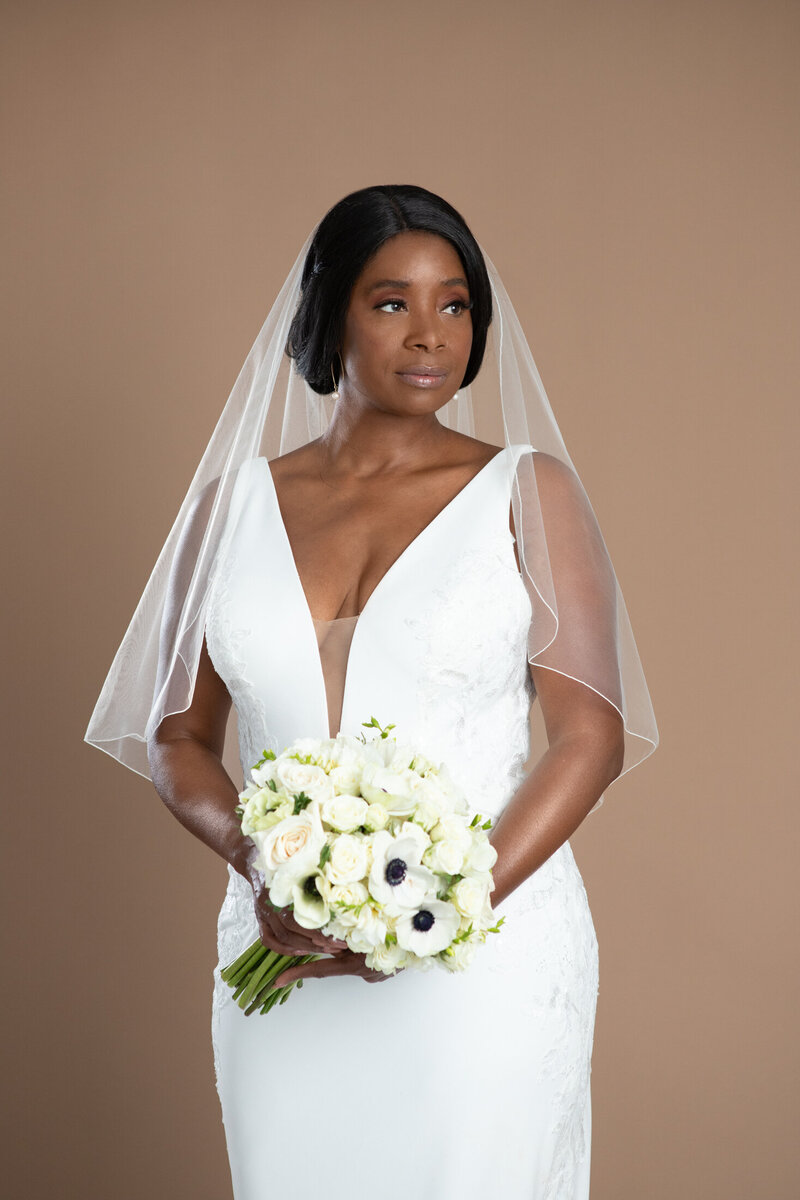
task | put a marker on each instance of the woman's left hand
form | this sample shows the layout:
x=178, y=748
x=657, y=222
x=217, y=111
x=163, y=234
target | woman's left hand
x=346, y=962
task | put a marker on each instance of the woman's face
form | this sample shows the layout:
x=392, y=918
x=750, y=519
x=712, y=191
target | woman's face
x=407, y=313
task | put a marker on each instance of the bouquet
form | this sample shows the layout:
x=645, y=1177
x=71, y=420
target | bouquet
x=372, y=843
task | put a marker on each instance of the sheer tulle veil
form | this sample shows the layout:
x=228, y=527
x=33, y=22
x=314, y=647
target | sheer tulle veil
x=579, y=623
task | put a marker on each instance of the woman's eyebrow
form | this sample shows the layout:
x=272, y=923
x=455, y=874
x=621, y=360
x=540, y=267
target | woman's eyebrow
x=404, y=283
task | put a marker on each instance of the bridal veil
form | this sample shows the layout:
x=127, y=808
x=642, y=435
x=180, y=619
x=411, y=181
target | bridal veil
x=579, y=623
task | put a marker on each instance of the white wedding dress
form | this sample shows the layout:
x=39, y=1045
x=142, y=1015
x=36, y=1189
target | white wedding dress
x=427, y=1085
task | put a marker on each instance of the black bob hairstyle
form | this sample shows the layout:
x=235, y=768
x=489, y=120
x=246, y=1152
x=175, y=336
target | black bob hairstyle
x=345, y=239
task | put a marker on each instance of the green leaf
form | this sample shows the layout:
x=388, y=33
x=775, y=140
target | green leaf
x=373, y=723
x=495, y=928
x=301, y=801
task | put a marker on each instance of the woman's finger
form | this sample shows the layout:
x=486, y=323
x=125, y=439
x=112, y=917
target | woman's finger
x=298, y=939
x=278, y=939
x=325, y=944
x=343, y=964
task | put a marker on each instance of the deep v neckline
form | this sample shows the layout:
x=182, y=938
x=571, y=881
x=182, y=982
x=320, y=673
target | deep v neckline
x=311, y=622
x=394, y=566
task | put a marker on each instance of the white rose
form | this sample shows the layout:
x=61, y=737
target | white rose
x=469, y=896
x=369, y=930
x=349, y=860
x=336, y=929
x=303, y=747
x=424, y=766
x=346, y=778
x=262, y=774
x=426, y=815
x=387, y=958
x=459, y=956
x=375, y=818
x=346, y=893
x=347, y=748
x=481, y=855
x=444, y=856
x=436, y=794
x=451, y=828
x=262, y=823
x=344, y=812
x=298, y=777
x=425, y=963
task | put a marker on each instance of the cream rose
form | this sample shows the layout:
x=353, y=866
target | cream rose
x=296, y=838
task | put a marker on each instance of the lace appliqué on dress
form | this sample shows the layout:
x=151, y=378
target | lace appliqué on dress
x=227, y=642
x=227, y=647
x=475, y=691
x=474, y=686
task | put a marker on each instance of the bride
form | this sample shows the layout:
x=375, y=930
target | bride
x=387, y=562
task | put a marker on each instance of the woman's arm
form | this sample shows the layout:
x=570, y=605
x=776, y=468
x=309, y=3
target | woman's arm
x=585, y=732
x=584, y=755
x=185, y=756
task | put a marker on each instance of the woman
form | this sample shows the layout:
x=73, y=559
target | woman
x=396, y=565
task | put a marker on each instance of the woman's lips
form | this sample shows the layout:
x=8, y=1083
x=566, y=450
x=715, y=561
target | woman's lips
x=419, y=377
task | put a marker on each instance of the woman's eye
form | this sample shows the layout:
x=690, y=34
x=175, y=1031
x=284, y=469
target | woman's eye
x=461, y=305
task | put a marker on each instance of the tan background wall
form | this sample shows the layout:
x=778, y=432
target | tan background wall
x=632, y=169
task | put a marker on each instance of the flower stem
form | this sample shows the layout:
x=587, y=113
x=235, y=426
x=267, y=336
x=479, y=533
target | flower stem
x=267, y=996
x=252, y=952
x=265, y=971
x=236, y=977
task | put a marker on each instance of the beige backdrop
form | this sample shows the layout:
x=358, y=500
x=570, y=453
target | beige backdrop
x=632, y=168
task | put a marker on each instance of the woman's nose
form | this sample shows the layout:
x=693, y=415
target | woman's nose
x=426, y=332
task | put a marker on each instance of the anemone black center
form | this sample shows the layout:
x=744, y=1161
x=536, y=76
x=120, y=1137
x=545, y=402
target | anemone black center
x=422, y=920
x=310, y=886
x=395, y=871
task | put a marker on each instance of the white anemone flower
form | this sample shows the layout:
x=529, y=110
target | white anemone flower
x=397, y=791
x=310, y=909
x=397, y=878
x=428, y=930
